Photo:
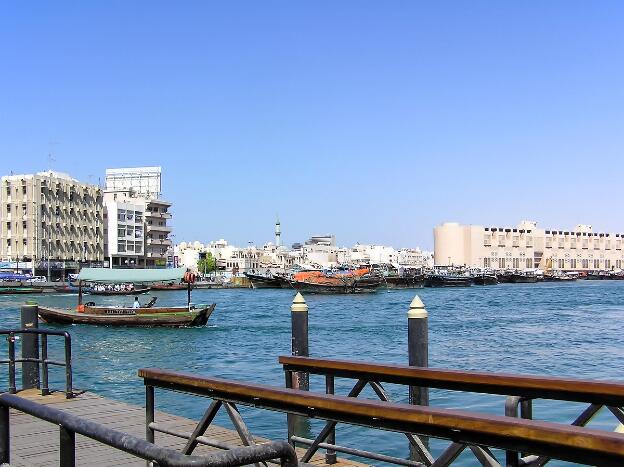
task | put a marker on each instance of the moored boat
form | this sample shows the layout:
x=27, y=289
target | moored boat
x=522, y=278
x=260, y=281
x=448, y=280
x=404, y=282
x=484, y=279
x=169, y=286
x=19, y=290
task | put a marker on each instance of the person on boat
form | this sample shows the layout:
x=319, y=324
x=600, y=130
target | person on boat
x=136, y=303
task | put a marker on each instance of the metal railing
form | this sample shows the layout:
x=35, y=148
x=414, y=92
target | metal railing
x=477, y=432
x=44, y=361
x=70, y=424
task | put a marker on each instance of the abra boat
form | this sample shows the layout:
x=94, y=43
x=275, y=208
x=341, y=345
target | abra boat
x=179, y=316
x=259, y=281
x=358, y=281
x=144, y=316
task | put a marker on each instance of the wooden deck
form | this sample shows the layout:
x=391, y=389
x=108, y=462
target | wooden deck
x=35, y=442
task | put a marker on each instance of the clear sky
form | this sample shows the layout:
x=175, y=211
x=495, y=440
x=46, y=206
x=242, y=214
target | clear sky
x=374, y=121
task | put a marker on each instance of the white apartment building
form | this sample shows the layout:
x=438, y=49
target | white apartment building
x=527, y=247
x=131, y=194
x=50, y=220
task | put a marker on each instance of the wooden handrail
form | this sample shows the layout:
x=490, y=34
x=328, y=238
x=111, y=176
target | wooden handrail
x=543, y=438
x=537, y=387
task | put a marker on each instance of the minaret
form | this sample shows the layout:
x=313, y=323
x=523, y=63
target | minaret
x=278, y=233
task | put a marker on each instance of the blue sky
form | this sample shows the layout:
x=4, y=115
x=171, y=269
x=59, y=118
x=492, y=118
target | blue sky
x=374, y=121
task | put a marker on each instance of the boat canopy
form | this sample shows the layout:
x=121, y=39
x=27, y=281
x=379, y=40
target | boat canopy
x=130, y=275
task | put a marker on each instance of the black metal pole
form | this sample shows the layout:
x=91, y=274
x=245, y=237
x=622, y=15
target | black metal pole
x=69, y=388
x=67, y=442
x=5, y=436
x=330, y=454
x=45, y=390
x=30, y=347
x=11, y=339
x=418, y=355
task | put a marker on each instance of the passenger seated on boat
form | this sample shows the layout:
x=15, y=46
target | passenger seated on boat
x=136, y=303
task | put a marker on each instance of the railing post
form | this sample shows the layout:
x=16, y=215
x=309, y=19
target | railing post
x=69, y=388
x=418, y=355
x=12, y=387
x=149, y=413
x=45, y=390
x=330, y=455
x=67, y=442
x=290, y=418
x=299, y=325
x=30, y=346
x=511, y=410
x=5, y=437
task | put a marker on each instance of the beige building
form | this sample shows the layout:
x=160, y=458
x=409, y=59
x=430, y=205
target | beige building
x=527, y=247
x=50, y=217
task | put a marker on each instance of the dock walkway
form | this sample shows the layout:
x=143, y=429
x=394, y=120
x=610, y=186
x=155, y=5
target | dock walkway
x=35, y=442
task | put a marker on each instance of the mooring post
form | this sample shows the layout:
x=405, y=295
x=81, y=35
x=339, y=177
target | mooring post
x=299, y=323
x=418, y=355
x=30, y=346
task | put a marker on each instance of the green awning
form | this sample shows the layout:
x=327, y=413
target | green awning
x=130, y=275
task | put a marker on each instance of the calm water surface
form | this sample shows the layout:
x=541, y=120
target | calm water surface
x=556, y=329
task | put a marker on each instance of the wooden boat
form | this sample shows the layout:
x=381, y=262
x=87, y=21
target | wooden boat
x=145, y=316
x=259, y=281
x=358, y=281
x=520, y=278
x=19, y=290
x=558, y=278
x=135, y=291
x=447, y=280
x=136, y=317
x=404, y=282
x=170, y=286
x=484, y=279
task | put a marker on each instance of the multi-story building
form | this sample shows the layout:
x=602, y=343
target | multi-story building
x=52, y=221
x=527, y=247
x=134, y=207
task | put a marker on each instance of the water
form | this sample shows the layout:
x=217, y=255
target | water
x=570, y=329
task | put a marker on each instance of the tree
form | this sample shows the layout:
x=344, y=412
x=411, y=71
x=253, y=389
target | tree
x=206, y=263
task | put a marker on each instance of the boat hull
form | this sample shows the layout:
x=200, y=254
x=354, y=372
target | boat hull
x=485, y=280
x=448, y=281
x=405, y=282
x=142, y=317
x=169, y=287
x=356, y=287
x=28, y=290
x=263, y=282
x=522, y=279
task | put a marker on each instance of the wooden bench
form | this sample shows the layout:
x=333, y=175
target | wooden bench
x=520, y=389
x=572, y=443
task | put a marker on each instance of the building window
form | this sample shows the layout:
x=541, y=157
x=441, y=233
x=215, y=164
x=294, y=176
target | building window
x=573, y=263
x=8, y=208
x=24, y=225
x=516, y=263
x=486, y=262
x=121, y=231
x=121, y=247
x=585, y=264
x=8, y=242
x=24, y=242
x=528, y=263
x=24, y=209
x=501, y=263
x=596, y=264
x=9, y=226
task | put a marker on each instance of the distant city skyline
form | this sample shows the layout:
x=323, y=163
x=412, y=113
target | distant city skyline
x=371, y=121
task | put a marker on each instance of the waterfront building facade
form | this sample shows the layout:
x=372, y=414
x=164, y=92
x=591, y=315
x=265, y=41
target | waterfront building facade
x=527, y=247
x=132, y=192
x=51, y=221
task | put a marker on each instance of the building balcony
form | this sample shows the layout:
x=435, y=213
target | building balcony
x=159, y=228
x=158, y=215
x=159, y=241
